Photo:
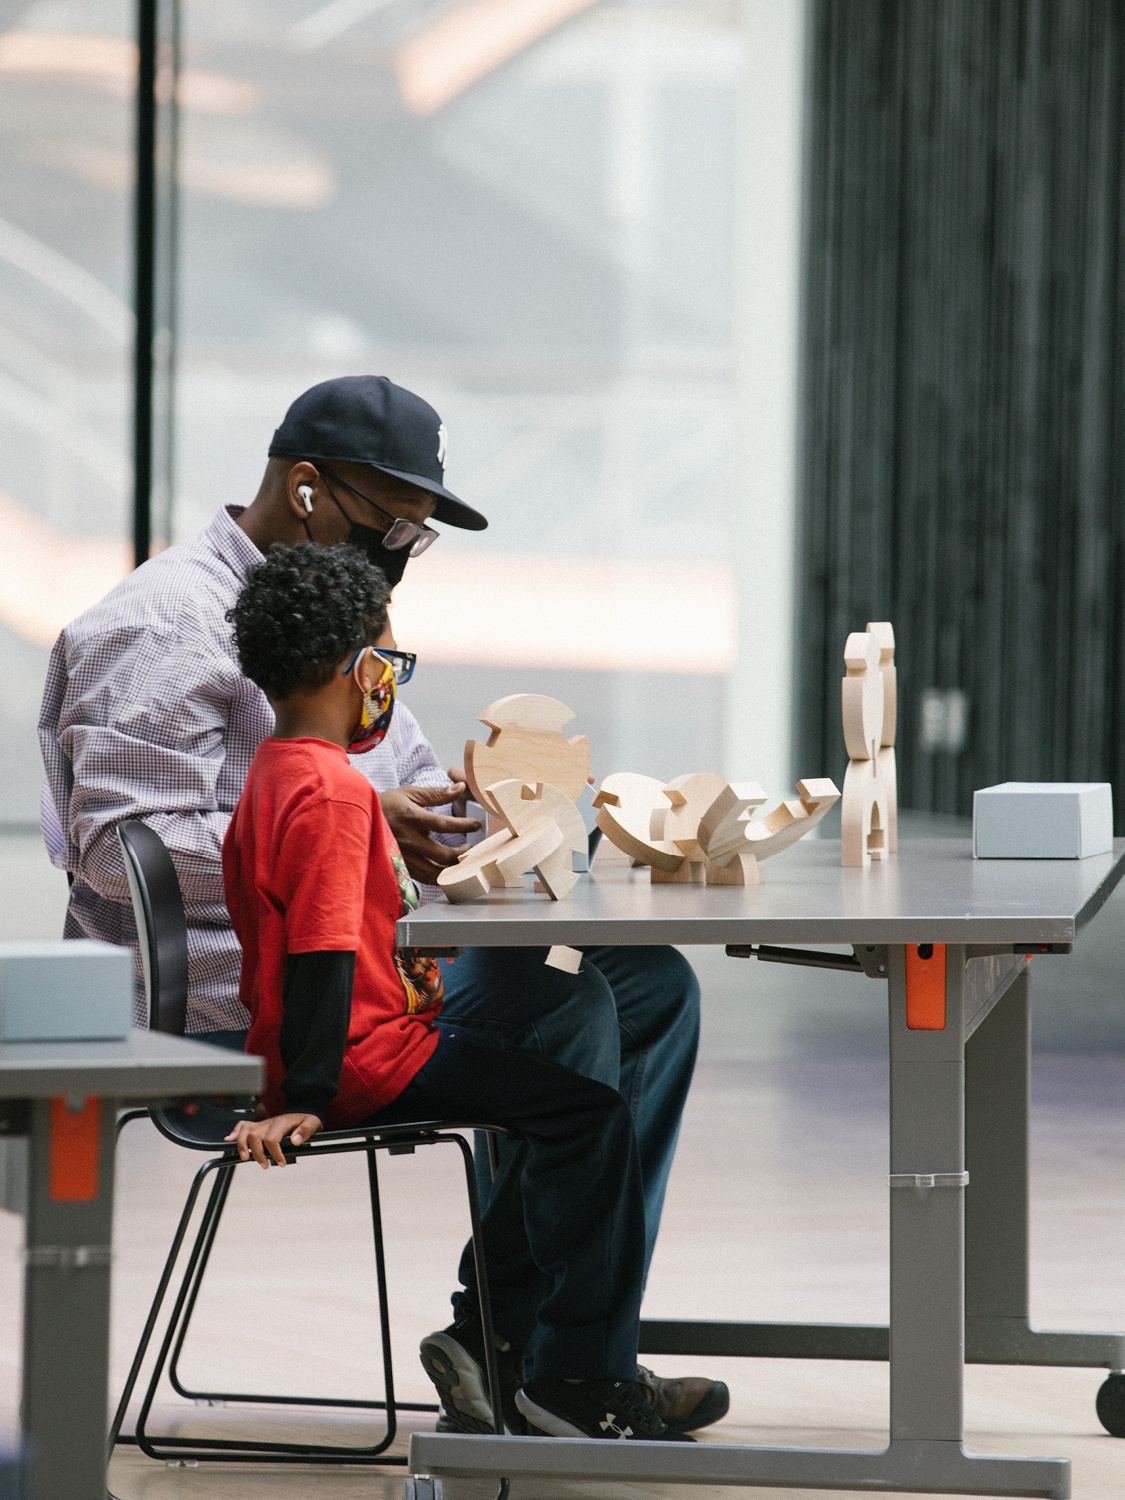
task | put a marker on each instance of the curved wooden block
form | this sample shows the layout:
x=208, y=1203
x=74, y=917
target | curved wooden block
x=861, y=696
x=792, y=820
x=884, y=633
x=625, y=803
x=722, y=828
x=527, y=744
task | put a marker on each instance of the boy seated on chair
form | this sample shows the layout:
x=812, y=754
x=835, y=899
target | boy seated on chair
x=351, y=1032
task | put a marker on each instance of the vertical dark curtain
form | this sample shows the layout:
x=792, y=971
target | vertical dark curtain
x=964, y=444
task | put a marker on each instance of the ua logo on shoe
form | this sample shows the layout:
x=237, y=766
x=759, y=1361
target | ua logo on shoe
x=610, y=1425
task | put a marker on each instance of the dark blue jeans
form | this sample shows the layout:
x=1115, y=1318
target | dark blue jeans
x=628, y=1018
x=564, y=1248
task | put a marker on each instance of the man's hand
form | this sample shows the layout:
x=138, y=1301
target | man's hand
x=457, y=776
x=261, y=1139
x=408, y=811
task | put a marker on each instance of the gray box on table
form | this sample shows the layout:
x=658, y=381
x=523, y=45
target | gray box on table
x=1043, y=820
x=65, y=991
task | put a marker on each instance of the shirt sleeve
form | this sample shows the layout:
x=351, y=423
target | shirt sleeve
x=322, y=876
x=314, y=1028
x=135, y=727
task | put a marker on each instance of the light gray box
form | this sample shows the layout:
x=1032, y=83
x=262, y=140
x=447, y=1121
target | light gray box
x=65, y=991
x=1043, y=820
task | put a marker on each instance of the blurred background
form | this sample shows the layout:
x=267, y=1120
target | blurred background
x=748, y=323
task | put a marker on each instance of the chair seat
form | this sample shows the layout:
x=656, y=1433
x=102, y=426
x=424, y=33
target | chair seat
x=205, y=1127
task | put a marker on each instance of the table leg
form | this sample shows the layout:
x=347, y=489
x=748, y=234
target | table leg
x=66, y=1297
x=997, y=1103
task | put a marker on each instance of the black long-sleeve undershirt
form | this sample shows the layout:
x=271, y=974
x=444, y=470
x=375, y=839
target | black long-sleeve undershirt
x=317, y=1009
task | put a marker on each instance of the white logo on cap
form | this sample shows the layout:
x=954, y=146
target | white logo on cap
x=442, y=444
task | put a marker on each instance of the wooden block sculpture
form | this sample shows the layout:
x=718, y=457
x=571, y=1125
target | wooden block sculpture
x=527, y=744
x=540, y=830
x=869, y=702
x=700, y=828
x=528, y=777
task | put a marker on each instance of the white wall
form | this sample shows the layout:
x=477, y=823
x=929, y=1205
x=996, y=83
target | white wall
x=759, y=724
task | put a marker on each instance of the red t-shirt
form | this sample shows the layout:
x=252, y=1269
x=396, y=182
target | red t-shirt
x=307, y=869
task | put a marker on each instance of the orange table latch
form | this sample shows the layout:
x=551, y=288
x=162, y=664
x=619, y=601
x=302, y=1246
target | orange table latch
x=75, y=1150
x=925, y=986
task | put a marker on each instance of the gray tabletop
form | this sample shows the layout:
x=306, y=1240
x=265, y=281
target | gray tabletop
x=146, y=1065
x=932, y=891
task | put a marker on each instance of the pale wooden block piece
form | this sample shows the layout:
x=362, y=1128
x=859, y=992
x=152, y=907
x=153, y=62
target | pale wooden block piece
x=567, y=959
x=722, y=828
x=888, y=775
x=864, y=815
x=793, y=819
x=527, y=849
x=689, y=798
x=624, y=803
x=861, y=696
x=884, y=633
x=527, y=744
x=741, y=870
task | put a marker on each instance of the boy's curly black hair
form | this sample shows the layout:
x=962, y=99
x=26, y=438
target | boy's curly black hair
x=302, y=612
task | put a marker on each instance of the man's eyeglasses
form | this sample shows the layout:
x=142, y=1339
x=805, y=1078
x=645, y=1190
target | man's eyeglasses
x=401, y=662
x=401, y=532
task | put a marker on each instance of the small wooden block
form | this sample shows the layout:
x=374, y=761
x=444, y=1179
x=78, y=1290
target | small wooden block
x=567, y=959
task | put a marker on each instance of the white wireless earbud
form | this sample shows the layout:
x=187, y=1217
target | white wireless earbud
x=304, y=492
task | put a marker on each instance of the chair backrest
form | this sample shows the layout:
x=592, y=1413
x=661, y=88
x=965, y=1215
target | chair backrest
x=158, y=907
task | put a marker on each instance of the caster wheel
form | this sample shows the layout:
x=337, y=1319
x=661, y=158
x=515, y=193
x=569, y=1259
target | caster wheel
x=1111, y=1406
x=421, y=1489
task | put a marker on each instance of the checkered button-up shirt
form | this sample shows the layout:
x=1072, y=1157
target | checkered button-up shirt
x=146, y=714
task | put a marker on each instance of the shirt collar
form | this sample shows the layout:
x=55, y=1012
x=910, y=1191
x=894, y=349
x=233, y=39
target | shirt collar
x=229, y=543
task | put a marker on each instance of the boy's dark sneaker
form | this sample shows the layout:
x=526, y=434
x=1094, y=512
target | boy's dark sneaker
x=454, y=1361
x=617, y=1409
x=688, y=1403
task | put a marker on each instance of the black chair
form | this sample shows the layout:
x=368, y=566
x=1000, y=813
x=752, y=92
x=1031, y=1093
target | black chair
x=162, y=933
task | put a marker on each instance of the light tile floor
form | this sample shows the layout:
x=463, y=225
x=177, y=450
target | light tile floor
x=777, y=1209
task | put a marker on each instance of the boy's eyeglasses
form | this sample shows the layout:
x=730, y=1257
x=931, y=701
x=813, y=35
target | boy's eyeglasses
x=401, y=533
x=401, y=662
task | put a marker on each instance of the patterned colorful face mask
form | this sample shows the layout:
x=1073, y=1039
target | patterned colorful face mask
x=378, y=705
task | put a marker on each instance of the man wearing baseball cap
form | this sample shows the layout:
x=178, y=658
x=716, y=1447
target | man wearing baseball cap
x=146, y=714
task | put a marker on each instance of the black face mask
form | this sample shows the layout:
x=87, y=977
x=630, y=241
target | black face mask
x=392, y=565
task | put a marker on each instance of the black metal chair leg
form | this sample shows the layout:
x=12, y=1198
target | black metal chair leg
x=207, y=1246
x=224, y=1171
x=157, y=1302
x=384, y=1305
x=484, y=1301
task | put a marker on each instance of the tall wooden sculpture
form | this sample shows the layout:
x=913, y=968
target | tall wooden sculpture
x=869, y=701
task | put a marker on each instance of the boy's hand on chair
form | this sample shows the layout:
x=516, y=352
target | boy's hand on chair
x=261, y=1139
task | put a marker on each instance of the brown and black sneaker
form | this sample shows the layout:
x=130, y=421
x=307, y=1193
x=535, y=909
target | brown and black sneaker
x=686, y=1404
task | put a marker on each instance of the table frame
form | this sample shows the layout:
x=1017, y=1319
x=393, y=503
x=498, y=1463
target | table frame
x=958, y=1185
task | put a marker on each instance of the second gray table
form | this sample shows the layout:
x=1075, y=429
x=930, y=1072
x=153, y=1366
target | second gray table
x=64, y=1097
x=949, y=936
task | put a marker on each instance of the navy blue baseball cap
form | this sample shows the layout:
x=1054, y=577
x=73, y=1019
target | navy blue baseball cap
x=367, y=419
